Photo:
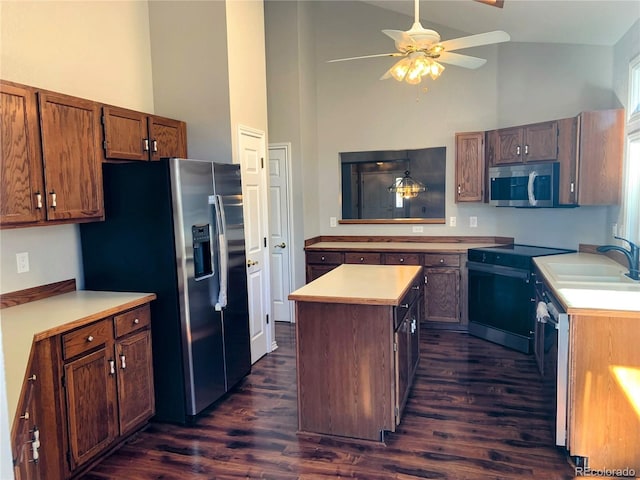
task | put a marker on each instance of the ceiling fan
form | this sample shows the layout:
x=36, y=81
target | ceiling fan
x=423, y=53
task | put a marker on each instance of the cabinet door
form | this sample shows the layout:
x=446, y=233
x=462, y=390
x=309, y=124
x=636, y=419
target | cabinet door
x=508, y=146
x=125, y=134
x=21, y=175
x=91, y=405
x=70, y=129
x=470, y=167
x=135, y=380
x=540, y=142
x=402, y=339
x=167, y=138
x=442, y=295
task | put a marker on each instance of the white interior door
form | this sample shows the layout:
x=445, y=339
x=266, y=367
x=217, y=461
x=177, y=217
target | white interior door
x=279, y=231
x=252, y=150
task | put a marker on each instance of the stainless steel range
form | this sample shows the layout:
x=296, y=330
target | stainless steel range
x=502, y=295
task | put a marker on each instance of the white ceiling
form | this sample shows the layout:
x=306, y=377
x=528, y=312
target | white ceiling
x=588, y=22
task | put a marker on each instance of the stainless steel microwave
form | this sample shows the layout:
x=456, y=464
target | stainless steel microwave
x=527, y=185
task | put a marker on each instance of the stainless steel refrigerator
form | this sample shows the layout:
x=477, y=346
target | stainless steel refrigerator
x=175, y=228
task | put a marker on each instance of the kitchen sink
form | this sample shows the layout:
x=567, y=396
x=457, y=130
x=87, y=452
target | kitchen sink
x=590, y=273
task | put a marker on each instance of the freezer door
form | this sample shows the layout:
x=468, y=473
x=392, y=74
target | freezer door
x=228, y=189
x=198, y=283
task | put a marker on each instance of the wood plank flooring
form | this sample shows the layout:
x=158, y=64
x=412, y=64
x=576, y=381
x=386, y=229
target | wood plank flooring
x=476, y=411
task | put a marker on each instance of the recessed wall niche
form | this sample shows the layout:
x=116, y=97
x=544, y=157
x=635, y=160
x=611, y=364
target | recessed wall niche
x=367, y=176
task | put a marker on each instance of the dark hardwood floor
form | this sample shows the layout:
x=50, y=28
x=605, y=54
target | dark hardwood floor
x=476, y=411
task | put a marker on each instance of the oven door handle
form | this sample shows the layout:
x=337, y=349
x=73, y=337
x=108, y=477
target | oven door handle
x=499, y=270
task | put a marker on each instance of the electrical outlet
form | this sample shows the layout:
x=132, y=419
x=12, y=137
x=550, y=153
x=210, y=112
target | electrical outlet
x=22, y=261
x=333, y=222
x=473, y=222
x=452, y=221
x=417, y=229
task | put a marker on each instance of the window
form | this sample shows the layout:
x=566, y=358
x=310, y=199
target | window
x=632, y=187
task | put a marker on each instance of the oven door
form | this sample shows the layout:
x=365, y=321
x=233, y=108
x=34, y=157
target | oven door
x=500, y=305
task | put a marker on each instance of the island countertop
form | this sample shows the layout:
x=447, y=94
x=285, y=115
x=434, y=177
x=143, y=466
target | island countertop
x=360, y=284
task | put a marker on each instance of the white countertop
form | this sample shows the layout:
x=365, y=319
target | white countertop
x=360, y=284
x=24, y=324
x=578, y=296
x=454, y=247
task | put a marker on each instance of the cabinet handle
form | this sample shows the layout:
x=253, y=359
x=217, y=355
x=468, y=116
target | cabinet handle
x=413, y=325
x=90, y=338
x=112, y=367
x=123, y=362
x=25, y=416
x=54, y=199
x=145, y=145
x=526, y=149
x=38, y=200
x=459, y=189
x=518, y=150
x=416, y=287
x=32, y=378
x=155, y=145
x=136, y=321
x=572, y=187
x=405, y=305
x=35, y=445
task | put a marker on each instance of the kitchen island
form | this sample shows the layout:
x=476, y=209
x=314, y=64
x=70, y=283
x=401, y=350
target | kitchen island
x=357, y=337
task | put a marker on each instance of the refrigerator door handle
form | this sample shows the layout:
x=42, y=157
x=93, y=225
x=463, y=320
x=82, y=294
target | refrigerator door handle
x=221, y=227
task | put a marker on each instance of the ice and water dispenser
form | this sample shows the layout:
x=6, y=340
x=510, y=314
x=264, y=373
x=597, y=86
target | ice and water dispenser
x=202, y=255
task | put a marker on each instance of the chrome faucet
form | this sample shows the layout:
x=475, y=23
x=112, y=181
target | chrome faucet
x=633, y=256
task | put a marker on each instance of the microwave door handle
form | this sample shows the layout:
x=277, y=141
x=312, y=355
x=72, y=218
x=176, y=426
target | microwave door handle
x=530, y=190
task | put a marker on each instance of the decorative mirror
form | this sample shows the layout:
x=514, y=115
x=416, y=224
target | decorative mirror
x=393, y=186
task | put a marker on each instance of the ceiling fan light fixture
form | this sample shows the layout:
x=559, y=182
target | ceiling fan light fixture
x=400, y=69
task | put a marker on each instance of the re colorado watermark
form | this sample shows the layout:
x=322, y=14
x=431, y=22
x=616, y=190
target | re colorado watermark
x=605, y=472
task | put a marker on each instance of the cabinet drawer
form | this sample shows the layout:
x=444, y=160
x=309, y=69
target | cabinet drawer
x=334, y=258
x=132, y=320
x=402, y=259
x=367, y=258
x=86, y=338
x=441, y=260
x=406, y=304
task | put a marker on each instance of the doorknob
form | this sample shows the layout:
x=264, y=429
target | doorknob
x=282, y=245
x=251, y=263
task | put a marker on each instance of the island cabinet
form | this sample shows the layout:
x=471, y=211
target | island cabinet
x=131, y=135
x=79, y=379
x=357, y=349
x=50, y=159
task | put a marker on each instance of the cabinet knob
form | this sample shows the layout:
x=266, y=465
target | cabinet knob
x=322, y=258
x=402, y=260
x=90, y=338
x=442, y=260
x=362, y=259
x=416, y=287
x=25, y=416
x=136, y=321
x=32, y=378
x=405, y=305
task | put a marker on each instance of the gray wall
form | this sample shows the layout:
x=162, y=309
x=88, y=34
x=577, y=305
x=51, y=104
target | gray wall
x=520, y=83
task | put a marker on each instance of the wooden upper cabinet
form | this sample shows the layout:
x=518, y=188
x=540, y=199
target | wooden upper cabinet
x=590, y=155
x=470, y=167
x=70, y=129
x=529, y=143
x=21, y=174
x=131, y=135
x=168, y=138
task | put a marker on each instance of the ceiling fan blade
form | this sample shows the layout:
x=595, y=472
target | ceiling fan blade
x=488, y=38
x=402, y=40
x=459, y=60
x=493, y=3
x=394, y=54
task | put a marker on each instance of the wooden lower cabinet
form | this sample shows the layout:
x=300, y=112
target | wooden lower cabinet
x=356, y=364
x=85, y=391
x=603, y=400
x=319, y=263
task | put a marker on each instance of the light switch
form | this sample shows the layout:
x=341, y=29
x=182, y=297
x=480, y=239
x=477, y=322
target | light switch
x=332, y=221
x=452, y=221
x=473, y=222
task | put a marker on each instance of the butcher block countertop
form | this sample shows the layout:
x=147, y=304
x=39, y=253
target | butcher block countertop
x=579, y=292
x=360, y=284
x=30, y=322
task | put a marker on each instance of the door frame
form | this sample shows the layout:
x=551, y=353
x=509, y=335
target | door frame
x=286, y=146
